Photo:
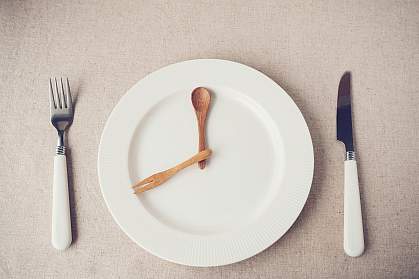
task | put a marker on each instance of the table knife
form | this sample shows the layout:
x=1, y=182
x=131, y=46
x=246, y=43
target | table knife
x=353, y=236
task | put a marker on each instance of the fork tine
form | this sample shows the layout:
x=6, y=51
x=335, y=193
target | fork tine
x=145, y=188
x=64, y=95
x=69, y=99
x=58, y=94
x=143, y=182
x=51, y=96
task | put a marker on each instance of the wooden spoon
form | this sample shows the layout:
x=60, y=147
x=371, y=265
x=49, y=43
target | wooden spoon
x=161, y=177
x=201, y=99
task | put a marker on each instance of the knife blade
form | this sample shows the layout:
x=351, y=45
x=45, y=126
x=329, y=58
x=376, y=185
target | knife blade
x=344, y=112
x=353, y=239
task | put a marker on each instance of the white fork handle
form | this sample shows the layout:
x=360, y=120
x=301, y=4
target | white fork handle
x=61, y=222
x=353, y=239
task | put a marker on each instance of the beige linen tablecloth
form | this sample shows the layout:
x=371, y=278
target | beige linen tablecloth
x=105, y=47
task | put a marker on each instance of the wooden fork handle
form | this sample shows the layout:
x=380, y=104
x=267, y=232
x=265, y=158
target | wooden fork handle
x=202, y=155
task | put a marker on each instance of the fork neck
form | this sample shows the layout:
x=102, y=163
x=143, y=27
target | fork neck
x=60, y=150
x=60, y=138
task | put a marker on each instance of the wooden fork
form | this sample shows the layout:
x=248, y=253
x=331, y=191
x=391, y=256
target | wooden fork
x=161, y=177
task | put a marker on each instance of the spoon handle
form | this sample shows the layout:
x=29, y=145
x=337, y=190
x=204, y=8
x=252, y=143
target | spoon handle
x=202, y=141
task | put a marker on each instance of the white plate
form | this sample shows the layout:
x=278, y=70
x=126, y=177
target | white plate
x=254, y=186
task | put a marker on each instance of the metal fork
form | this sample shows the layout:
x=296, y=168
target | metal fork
x=62, y=113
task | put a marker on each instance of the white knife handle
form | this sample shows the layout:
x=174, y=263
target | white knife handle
x=353, y=238
x=61, y=222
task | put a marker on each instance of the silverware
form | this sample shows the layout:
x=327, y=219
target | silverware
x=161, y=177
x=353, y=239
x=201, y=99
x=61, y=107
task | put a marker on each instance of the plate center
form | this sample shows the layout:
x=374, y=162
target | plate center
x=240, y=179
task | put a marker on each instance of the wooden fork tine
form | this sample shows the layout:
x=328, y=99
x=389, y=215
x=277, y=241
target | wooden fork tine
x=143, y=182
x=146, y=187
